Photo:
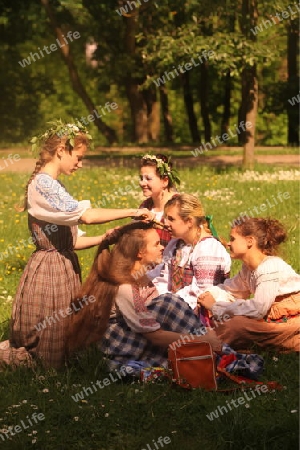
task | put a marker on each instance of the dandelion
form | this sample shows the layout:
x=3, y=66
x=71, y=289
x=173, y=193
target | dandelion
x=45, y=390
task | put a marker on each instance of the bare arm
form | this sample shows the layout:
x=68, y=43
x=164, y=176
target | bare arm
x=102, y=215
x=164, y=338
x=84, y=242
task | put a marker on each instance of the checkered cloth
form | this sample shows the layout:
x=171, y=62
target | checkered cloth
x=248, y=365
x=121, y=344
x=50, y=281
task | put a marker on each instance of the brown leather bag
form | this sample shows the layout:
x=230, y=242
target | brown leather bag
x=193, y=365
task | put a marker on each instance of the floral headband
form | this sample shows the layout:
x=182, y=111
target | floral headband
x=69, y=130
x=164, y=168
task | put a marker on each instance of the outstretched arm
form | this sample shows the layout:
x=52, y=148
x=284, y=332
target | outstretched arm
x=164, y=338
x=102, y=215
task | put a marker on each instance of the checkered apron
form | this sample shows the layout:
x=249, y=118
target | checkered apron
x=51, y=279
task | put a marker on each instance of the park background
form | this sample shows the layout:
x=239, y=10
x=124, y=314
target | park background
x=117, y=59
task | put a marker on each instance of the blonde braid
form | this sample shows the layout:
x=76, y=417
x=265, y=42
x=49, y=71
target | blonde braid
x=47, y=153
x=44, y=157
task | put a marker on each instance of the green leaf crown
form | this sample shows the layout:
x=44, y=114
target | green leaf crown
x=61, y=129
x=164, y=168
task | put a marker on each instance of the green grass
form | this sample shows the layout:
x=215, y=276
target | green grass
x=123, y=415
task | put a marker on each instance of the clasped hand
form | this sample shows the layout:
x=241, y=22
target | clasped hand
x=206, y=300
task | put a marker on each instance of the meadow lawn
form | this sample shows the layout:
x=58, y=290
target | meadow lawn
x=125, y=414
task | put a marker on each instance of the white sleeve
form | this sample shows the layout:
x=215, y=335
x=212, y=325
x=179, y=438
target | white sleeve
x=48, y=200
x=142, y=321
x=237, y=286
x=265, y=291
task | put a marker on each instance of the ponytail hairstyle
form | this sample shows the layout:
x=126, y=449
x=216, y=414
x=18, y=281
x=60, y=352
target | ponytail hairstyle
x=110, y=269
x=70, y=135
x=269, y=233
x=189, y=206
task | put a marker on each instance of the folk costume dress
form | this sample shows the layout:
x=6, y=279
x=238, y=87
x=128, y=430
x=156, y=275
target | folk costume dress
x=140, y=310
x=264, y=305
x=52, y=276
x=189, y=270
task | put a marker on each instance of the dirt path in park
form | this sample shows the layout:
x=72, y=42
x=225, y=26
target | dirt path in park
x=27, y=165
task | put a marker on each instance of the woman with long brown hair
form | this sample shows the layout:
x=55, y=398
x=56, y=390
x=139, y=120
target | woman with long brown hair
x=142, y=324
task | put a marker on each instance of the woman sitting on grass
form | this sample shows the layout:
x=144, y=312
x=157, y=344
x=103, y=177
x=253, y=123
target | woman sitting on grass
x=271, y=317
x=134, y=332
x=195, y=259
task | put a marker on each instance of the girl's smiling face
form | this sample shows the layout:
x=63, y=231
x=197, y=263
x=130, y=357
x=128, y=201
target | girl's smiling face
x=152, y=185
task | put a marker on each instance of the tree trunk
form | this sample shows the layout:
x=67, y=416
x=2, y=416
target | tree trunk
x=138, y=110
x=204, y=101
x=153, y=113
x=225, y=122
x=189, y=104
x=226, y=111
x=77, y=85
x=138, y=106
x=249, y=102
x=293, y=81
x=167, y=119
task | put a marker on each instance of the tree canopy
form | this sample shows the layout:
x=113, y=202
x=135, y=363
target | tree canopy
x=178, y=72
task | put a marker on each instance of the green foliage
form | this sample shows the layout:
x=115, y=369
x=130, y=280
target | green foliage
x=61, y=129
x=167, y=34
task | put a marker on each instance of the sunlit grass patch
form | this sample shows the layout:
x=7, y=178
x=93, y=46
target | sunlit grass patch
x=126, y=416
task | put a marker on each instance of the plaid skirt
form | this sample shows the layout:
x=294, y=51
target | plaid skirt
x=121, y=344
x=50, y=281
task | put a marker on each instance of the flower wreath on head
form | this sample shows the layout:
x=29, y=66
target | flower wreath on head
x=61, y=129
x=164, y=168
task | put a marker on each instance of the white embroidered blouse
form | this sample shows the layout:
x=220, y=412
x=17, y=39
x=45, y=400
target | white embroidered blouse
x=273, y=277
x=49, y=200
x=208, y=258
